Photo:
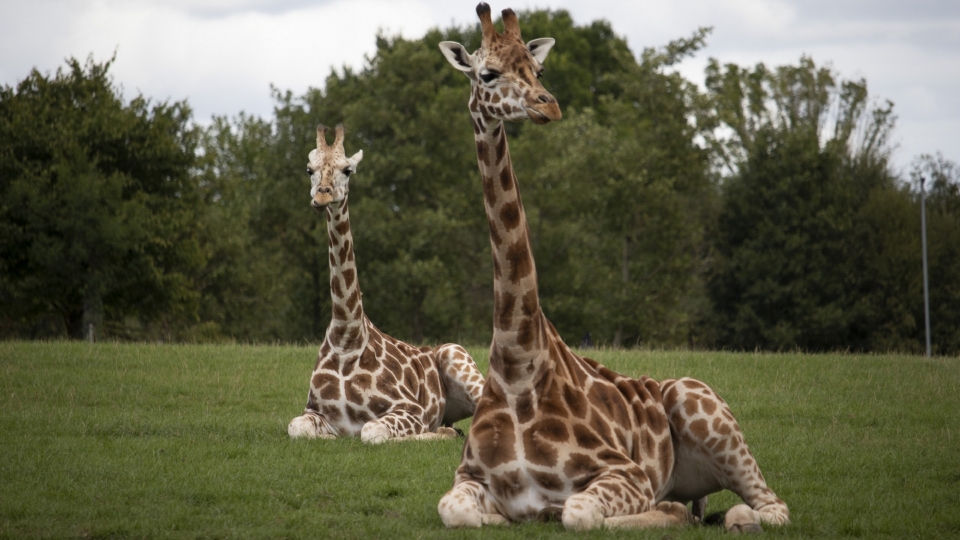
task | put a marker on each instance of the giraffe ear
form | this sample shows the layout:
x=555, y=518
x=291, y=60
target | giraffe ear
x=356, y=158
x=458, y=57
x=540, y=47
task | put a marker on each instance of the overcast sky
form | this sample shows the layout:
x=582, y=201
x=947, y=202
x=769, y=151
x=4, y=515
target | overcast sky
x=223, y=55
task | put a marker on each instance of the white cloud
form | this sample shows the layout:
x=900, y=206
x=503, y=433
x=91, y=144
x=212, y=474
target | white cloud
x=222, y=55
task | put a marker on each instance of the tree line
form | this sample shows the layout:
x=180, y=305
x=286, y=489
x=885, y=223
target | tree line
x=761, y=211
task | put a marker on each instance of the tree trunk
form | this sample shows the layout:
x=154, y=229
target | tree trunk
x=625, y=279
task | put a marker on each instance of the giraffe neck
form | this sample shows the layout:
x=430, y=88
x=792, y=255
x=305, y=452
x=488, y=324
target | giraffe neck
x=347, y=330
x=519, y=327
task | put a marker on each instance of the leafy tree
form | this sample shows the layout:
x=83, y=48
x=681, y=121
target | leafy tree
x=617, y=197
x=810, y=174
x=97, y=206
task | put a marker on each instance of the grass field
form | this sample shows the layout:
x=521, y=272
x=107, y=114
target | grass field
x=156, y=441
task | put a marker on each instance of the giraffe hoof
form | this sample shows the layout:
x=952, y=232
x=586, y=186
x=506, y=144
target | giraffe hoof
x=745, y=528
x=550, y=514
x=447, y=432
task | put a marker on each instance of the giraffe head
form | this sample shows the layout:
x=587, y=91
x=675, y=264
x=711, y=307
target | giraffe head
x=504, y=72
x=330, y=169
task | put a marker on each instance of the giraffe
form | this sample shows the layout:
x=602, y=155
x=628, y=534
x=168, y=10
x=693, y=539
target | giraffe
x=556, y=434
x=366, y=383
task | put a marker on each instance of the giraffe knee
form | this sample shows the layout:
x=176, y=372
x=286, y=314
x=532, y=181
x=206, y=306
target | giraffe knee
x=374, y=433
x=302, y=427
x=774, y=514
x=742, y=519
x=582, y=513
x=458, y=509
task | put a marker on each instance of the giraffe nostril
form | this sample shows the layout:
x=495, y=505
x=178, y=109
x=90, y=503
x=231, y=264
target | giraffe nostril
x=546, y=98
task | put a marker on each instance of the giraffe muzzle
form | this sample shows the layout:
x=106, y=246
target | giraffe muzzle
x=544, y=114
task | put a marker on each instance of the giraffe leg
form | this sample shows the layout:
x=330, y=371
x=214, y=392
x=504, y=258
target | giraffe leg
x=711, y=454
x=600, y=505
x=399, y=425
x=310, y=425
x=463, y=506
x=442, y=432
x=461, y=379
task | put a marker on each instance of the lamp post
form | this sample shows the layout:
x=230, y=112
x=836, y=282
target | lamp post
x=926, y=284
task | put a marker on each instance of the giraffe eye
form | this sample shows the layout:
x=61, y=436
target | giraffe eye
x=489, y=76
x=540, y=74
x=309, y=172
x=347, y=171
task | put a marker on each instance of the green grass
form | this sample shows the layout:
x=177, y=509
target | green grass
x=120, y=440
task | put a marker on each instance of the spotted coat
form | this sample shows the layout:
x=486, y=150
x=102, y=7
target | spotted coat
x=365, y=383
x=556, y=434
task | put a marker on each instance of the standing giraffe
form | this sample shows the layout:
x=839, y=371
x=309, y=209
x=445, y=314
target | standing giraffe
x=365, y=382
x=556, y=433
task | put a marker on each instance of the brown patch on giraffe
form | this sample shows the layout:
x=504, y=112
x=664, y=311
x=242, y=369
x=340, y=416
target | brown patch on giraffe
x=344, y=251
x=509, y=484
x=506, y=179
x=545, y=480
x=343, y=228
x=496, y=439
x=353, y=300
x=353, y=390
x=585, y=437
x=332, y=412
x=708, y=405
x=358, y=416
x=510, y=215
x=613, y=457
x=331, y=363
x=505, y=303
x=349, y=275
x=378, y=405
x=387, y=385
x=471, y=470
x=580, y=468
x=606, y=398
x=333, y=259
x=524, y=407
x=721, y=427
x=482, y=153
x=721, y=445
x=537, y=449
x=328, y=386
x=335, y=287
x=530, y=304
x=700, y=429
x=648, y=442
x=656, y=419
x=527, y=332
x=368, y=361
x=599, y=424
x=575, y=399
x=433, y=385
x=489, y=196
x=348, y=368
x=691, y=405
x=411, y=382
x=501, y=149
x=552, y=403
x=665, y=453
x=312, y=402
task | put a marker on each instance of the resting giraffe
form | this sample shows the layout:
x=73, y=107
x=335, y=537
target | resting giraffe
x=554, y=432
x=365, y=382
